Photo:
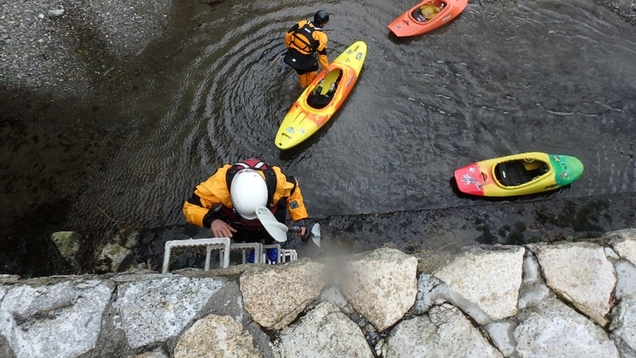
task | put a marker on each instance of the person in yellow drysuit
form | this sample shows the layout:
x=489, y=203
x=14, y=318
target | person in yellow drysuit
x=226, y=202
x=302, y=41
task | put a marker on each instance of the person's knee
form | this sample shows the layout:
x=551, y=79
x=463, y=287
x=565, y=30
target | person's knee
x=310, y=77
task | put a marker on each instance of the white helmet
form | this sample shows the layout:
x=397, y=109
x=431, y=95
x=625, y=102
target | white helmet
x=248, y=191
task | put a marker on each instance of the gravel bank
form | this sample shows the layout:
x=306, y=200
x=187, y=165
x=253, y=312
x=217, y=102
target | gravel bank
x=63, y=46
x=66, y=47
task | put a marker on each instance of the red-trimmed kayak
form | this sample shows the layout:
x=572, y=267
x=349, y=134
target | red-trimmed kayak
x=426, y=16
x=518, y=174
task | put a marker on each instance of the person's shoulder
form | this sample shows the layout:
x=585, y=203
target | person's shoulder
x=221, y=170
x=279, y=171
x=276, y=168
x=321, y=34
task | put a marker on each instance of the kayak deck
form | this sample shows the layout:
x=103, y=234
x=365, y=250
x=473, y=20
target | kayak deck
x=322, y=98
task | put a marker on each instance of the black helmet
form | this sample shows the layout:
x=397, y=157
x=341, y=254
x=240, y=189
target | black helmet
x=321, y=18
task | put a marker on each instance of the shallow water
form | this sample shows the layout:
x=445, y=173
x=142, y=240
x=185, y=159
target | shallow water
x=548, y=76
x=500, y=79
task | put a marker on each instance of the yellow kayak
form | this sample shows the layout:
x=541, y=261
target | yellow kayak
x=322, y=98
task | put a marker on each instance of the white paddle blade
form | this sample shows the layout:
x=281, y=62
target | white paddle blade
x=315, y=234
x=276, y=229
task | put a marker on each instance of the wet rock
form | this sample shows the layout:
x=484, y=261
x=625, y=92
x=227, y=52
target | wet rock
x=114, y=253
x=275, y=295
x=215, y=336
x=55, y=13
x=444, y=333
x=68, y=244
x=323, y=332
x=110, y=258
x=381, y=285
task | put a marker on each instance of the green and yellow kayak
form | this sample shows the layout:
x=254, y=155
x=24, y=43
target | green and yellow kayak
x=518, y=174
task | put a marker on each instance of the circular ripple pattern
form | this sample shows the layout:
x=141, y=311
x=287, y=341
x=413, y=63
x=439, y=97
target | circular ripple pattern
x=497, y=80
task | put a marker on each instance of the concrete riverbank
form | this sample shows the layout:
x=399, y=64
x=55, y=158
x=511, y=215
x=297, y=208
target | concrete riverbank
x=570, y=299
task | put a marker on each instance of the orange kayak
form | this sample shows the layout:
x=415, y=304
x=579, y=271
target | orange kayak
x=426, y=16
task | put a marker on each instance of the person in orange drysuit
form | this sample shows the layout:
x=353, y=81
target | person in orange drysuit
x=302, y=41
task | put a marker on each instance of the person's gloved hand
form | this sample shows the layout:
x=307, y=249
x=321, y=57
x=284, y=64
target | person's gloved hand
x=304, y=231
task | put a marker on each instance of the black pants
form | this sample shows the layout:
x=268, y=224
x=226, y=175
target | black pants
x=301, y=63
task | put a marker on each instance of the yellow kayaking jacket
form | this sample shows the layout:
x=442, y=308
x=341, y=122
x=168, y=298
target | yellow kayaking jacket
x=200, y=208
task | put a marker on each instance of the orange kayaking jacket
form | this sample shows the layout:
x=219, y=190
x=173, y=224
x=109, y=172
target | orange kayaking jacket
x=306, y=39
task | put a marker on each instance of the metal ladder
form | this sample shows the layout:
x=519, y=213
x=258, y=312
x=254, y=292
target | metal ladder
x=210, y=244
x=224, y=245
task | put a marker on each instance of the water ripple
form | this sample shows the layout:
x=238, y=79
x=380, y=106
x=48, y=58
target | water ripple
x=532, y=76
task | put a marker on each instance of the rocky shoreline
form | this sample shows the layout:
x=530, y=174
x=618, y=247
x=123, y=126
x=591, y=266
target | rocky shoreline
x=571, y=299
x=66, y=66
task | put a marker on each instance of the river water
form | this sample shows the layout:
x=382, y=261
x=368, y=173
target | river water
x=550, y=76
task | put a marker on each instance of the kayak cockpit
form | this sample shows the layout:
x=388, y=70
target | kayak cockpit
x=428, y=11
x=325, y=91
x=518, y=172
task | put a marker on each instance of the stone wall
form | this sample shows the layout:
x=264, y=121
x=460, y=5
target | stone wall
x=572, y=299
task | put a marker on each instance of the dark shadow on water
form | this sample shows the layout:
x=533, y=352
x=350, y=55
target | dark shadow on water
x=26, y=249
x=401, y=40
x=409, y=39
x=517, y=198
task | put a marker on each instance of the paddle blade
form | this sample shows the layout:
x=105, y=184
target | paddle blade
x=315, y=234
x=275, y=61
x=276, y=229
